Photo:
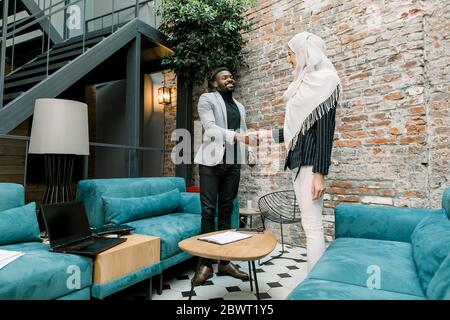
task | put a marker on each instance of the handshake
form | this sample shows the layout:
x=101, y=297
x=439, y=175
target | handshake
x=253, y=138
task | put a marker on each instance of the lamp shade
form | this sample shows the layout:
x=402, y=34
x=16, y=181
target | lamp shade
x=59, y=127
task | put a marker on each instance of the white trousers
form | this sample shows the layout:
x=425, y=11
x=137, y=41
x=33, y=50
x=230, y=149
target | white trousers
x=311, y=215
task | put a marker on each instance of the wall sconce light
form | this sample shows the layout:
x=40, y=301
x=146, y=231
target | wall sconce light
x=164, y=94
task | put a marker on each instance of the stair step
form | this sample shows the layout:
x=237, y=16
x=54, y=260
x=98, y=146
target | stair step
x=11, y=96
x=24, y=82
x=79, y=39
x=31, y=72
x=78, y=45
x=22, y=32
x=18, y=24
x=42, y=59
x=37, y=62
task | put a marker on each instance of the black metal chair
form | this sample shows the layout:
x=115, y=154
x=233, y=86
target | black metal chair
x=280, y=207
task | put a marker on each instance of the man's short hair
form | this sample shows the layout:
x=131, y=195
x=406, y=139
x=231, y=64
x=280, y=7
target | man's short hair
x=215, y=72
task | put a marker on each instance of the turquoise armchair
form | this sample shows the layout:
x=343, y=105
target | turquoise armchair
x=38, y=274
x=384, y=253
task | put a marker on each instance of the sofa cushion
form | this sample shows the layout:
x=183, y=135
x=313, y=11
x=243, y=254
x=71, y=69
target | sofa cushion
x=171, y=229
x=439, y=287
x=377, y=222
x=11, y=196
x=431, y=245
x=121, y=210
x=91, y=192
x=352, y=261
x=40, y=274
x=19, y=225
x=316, y=289
x=190, y=203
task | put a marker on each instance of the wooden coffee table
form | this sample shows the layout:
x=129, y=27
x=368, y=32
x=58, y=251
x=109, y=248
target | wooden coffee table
x=251, y=249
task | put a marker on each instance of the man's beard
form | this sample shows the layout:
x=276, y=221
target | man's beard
x=226, y=89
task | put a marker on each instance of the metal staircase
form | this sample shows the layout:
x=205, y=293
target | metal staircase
x=63, y=64
x=35, y=71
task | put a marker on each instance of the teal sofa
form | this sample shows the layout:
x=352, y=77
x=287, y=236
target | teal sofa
x=38, y=274
x=171, y=228
x=384, y=253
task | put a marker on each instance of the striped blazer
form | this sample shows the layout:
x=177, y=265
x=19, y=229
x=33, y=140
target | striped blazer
x=315, y=146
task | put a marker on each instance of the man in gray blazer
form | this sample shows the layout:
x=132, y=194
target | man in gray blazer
x=220, y=157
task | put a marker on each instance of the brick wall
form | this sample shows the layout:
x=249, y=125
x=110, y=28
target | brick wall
x=437, y=77
x=170, y=124
x=392, y=133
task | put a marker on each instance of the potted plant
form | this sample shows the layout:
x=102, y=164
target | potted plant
x=204, y=35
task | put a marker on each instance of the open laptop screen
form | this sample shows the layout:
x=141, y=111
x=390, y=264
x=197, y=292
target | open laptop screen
x=66, y=222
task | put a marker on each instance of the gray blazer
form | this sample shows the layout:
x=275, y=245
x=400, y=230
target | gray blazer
x=213, y=115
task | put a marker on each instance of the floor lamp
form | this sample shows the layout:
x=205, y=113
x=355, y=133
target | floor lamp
x=59, y=132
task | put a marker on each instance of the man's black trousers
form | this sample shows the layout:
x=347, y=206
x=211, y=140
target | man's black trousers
x=219, y=187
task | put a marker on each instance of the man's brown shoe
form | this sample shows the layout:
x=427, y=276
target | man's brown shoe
x=203, y=273
x=233, y=271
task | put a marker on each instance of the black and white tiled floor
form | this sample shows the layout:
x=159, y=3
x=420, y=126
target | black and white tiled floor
x=276, y=279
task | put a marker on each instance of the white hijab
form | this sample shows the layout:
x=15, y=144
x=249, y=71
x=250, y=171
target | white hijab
x=315, y=81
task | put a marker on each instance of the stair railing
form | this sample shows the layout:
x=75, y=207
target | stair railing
x=115, y=12
x=47, y=14
x=35, y=16
x=12, y=31
x=3, y=50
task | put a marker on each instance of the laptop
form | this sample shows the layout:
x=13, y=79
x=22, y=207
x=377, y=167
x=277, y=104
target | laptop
x=68, y=230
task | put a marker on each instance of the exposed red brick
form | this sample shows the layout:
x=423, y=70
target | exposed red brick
x=381, y=141
x=420, y=110
x=415, y=10
x=334, y=190
x=341, y=184
x=408, y=140
x=361, y=75
x=347, y=143
x=354, y=134
x=394, y=131
x=410, y=64
x=354, y=119
x=376, y=151
x=380, y=116
x=394, y=96
x=350, y=198
x=379, y=124
x=344, y=128
x=415, y=129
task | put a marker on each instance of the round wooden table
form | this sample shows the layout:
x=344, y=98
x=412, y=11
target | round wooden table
x=254, y=248
x=249, y=214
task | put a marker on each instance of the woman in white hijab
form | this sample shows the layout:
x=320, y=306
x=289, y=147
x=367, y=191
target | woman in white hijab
x=311, y=101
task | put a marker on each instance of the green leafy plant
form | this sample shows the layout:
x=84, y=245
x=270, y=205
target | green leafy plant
x=205, y=34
